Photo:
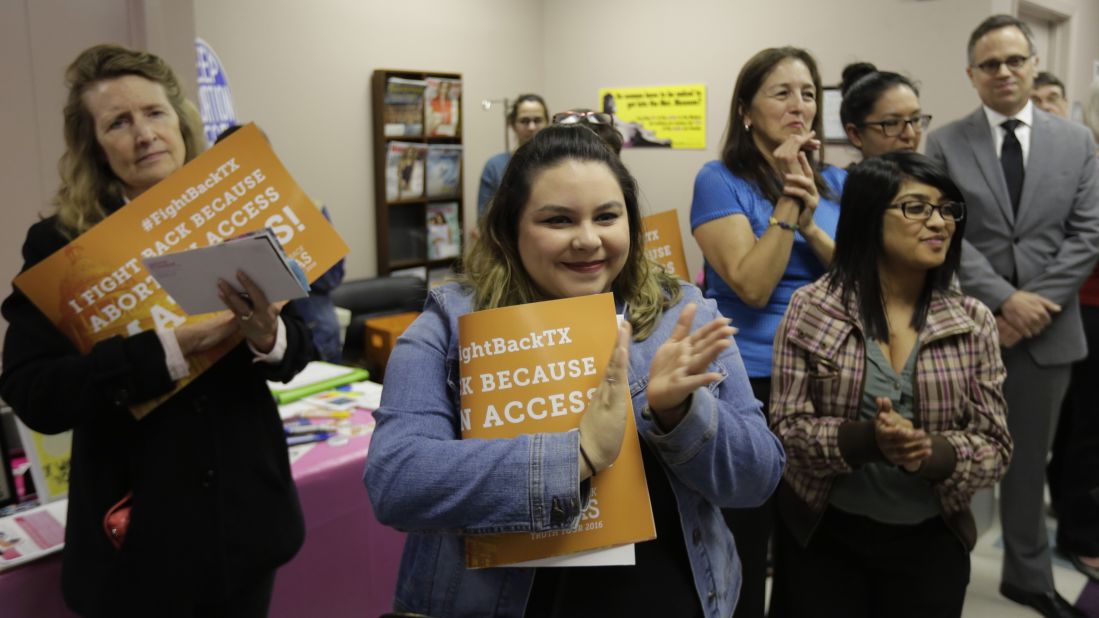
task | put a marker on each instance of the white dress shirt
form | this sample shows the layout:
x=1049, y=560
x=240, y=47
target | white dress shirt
x=1022, y=132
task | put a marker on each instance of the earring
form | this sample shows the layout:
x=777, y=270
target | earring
x=747, y=127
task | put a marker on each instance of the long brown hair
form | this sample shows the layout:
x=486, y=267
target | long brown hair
x=493, y=268
x=739, y=152
x=88, y=185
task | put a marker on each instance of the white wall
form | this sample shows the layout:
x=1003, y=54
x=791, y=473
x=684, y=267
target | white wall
x=302, y=72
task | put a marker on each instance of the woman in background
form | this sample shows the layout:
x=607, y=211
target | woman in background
x=887, y=394
x=214, y=507
x=764, y=216
x=528, y=115
x=881, y=110
x=565, y=223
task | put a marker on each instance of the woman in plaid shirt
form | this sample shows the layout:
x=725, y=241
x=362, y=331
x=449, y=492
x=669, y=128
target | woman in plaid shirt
x=886, y=393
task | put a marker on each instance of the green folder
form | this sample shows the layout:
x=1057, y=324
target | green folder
x=299, y=389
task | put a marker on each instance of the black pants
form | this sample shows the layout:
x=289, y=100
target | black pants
x=1074, y=468
x=751, y=530
x=857, y=567
x=249, y=601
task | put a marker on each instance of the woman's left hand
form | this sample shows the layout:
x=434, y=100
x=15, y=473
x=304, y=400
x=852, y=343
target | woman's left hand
x=257, y=317
x=802, y=186
x=680, y=365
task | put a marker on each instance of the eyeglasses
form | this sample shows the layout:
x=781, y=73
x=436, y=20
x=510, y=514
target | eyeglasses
x=534, y=120
x=917, y=210
x=577, y=117
x=992, y=65
x=896, y=126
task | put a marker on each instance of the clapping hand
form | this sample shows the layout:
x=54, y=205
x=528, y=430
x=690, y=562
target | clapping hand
x=681, y=365
x=901, y=443
x=603, y=425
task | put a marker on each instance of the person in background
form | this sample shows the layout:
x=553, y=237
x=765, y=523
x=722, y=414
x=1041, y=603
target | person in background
x=565, y=223
x=317, y=309
x=881, y=110
x=1049, y=94
x=600, y=122
x=1073, y=469
x=764, y=216
x=528, y=115
x=887, y=395
x=210, y=463
x=1030, y=181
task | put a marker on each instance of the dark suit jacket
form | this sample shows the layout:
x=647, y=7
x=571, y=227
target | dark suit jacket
x=214, y=504
x=1051, y=245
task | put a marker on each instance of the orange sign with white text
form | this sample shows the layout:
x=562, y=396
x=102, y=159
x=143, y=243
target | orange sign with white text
x=664, y=244
x=533, y=369
x=96, y=287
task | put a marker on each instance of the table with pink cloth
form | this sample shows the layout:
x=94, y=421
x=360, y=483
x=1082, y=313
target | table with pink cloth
x=347, y=567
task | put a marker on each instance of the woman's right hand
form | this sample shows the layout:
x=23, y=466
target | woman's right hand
x=902, y=444
x=603, y=426
x=201, y=336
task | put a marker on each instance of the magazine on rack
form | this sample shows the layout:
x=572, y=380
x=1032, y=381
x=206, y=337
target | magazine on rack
x=443, y=107
x=404, y=171
x=444, y=170
x=403, y=112
x=444, y=235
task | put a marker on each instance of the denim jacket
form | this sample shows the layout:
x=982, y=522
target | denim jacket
x=424, y=479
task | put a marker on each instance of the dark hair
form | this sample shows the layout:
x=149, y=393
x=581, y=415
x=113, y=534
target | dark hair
x=739, y=152
x=996, y=22
x=494, y=269
x=1045, y=78
x=513, y=113
x=863, y=84
x=869, y=190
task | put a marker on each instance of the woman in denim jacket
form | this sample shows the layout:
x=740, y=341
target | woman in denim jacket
x=566, y=223
x=887, y=395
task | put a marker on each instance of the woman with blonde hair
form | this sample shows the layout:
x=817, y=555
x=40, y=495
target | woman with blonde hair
x=566, y=223
x=208, y=465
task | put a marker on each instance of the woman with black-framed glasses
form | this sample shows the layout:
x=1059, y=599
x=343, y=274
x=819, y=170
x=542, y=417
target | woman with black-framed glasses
x=528, y=115
x=887, y=394
x=881, y=110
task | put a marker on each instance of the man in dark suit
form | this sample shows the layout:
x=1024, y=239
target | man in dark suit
x=1031, y=185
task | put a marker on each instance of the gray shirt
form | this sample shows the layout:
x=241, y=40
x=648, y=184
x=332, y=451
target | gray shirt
x=882, y=491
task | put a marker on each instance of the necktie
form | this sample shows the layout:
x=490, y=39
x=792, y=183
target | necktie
x=1011, y=159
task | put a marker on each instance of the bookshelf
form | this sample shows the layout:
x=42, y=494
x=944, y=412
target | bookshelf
x=418, y=207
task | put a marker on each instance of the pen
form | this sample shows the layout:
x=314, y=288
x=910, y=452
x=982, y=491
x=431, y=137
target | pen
x=297, y=430
x=306, y=438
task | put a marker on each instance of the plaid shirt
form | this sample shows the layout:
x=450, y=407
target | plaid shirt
x=818, y=379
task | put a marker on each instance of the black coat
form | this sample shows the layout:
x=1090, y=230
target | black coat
x=215, y=507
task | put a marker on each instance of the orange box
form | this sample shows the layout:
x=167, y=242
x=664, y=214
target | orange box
x=382, y=334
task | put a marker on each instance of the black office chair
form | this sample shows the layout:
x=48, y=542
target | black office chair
x=371, y=298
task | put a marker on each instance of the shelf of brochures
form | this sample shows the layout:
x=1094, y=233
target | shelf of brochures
x=417, y=125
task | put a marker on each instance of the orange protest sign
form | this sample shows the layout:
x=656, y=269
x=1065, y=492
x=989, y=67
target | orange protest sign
x=664, y=244
x=532, y=369
x=96, y=287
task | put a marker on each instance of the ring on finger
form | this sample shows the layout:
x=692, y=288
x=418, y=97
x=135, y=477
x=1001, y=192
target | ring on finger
x=247, y=316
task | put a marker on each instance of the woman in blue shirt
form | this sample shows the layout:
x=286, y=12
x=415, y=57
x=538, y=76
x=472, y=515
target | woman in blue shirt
x=764, y=217
x=566, y=223
x=527, y=116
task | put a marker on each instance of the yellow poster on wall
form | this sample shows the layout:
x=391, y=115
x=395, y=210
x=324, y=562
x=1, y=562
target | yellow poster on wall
x=96, y=286
x=658, y=116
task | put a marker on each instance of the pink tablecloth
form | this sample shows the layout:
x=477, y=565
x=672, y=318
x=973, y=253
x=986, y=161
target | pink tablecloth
x=348, y=566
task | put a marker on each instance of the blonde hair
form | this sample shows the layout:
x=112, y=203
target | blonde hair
x=87, y=183
x=493, y=269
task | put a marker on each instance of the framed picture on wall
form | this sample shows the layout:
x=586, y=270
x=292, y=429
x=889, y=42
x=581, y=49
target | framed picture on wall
x=830, y=116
